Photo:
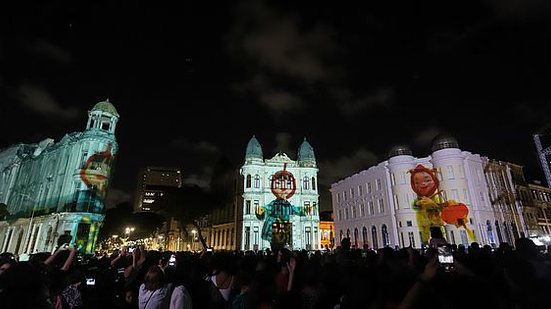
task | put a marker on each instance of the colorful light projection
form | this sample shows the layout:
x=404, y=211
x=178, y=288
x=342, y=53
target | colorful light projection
x=432, y=209
x=277, y=214
x=95, y=173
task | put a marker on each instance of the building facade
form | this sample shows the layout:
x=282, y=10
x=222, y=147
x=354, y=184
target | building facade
x=151, y=183
x=277, y=201
x=327, y=229
x=52, y=189
x=473, y=200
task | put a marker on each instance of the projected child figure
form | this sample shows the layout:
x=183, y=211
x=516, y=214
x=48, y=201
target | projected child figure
x=432, y=210
x=276, y=214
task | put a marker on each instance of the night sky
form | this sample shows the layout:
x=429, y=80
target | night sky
x=193, y=81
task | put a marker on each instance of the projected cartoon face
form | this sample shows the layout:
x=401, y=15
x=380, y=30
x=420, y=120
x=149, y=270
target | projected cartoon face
x=283, y=184
x=423, y=181
x=95, y=172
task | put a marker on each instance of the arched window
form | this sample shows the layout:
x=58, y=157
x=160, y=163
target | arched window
x=313, y=183
x=356, y=237
x=498, y=230
x=374, y=237
x=305, y=183
x=248, y=182
x=257, y=181
x=489, y=232
x=364, y=236
x=384, y=233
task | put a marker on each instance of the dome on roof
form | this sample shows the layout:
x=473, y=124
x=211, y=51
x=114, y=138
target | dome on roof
x=107, y=107
x=399, y=150
x=254, y=150
x=443, y=141
x=305, y=152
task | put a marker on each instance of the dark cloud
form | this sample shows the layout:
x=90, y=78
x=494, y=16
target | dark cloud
x=332, y=171
x=49, y=50
x=40, y=101
x=201, y=147
x=116, y=196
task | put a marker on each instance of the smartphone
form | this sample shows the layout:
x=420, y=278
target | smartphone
x=90, y=281
x=445, y=258
x=131, y=249
x=209, y=249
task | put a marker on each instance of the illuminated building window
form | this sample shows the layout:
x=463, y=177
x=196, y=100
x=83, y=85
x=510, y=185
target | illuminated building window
x=248, y=182
x=305, y=183
x=257, y=181
x=255, y=229
x=313, y=183
x=256, y=205
x=409, y=223
x=247, y=207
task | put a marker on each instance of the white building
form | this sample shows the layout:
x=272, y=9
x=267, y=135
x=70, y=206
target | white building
x=257, y=192
x=375, y=207
x=52, y=189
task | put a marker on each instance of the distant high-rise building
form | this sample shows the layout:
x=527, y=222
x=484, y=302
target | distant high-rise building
x=152, y=183
x=542, y=140
x=54, y=189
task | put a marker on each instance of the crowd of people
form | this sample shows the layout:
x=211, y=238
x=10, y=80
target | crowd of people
x=481, y=277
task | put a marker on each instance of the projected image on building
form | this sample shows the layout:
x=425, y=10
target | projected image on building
x=276, y=214
x=433, y=210
x=95, y=175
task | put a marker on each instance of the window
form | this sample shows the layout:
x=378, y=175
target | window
x=351, y=193
x=307, y=208
x=356, y=237
x=409, y=223
x=353, y=212
x=450, y=172
x=248, y=182
x=256, y=206
x=257, y=181
x=314, y=208
x=305, y=183
x=308, y=237
x=313, y=183
x=346, y=214
x=247, y=238
x=384, y=233
x=369, y=189
x=364, y=235
x=247, y=207
x=378, y=184
x=403, y=178
x=374, y=237
x=371, y=209
x=360, y=190
x=381, y=206
x=455, y=194
x=411, y=239
x=255, y=230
